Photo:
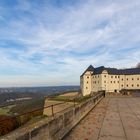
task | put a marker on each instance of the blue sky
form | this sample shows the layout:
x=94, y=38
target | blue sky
x=51, y=42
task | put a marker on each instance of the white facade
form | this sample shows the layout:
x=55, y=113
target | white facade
x=91, y=82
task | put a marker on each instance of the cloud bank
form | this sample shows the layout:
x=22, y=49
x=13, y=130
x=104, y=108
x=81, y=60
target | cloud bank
x=51, y=42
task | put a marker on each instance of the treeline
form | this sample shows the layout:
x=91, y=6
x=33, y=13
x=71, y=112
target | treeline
x=4, y=97
x=25, y=111
x=9, y=123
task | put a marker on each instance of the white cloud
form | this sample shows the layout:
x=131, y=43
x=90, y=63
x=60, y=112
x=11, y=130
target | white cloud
x=97, y=32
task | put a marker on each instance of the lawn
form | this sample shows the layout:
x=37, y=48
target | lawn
x=77, y=99
x=6, y=110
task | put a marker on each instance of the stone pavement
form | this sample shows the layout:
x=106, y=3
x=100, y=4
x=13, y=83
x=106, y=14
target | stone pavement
x=116, y=118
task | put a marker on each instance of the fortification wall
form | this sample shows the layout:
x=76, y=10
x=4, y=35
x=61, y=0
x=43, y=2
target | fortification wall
x=54, y=128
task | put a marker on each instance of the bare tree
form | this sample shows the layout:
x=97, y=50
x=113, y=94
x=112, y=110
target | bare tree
x=138, y=65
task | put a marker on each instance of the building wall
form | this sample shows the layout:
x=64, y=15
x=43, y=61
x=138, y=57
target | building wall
x=109, y=82
x=113, y=83
x=96, y=83
x=132, y=82
x=87, y=83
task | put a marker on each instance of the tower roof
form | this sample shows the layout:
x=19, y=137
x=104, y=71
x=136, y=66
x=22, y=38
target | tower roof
x=90, y=68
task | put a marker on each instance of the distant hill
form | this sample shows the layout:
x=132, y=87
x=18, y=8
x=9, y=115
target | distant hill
x=10, y=95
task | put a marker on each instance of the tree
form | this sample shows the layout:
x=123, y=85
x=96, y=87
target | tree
x=138, y=65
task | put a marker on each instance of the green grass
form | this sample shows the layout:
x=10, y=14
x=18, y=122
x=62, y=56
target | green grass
x=28, y=106
x=71, y=99
x=6, y=110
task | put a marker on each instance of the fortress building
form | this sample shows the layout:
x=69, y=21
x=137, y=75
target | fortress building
x=109, y=79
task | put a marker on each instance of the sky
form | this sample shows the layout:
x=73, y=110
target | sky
x=51, y=42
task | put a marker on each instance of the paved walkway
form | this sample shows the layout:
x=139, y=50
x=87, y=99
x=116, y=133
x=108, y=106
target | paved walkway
x=112, y=119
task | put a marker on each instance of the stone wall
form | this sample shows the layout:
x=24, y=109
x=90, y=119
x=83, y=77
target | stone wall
x=54, y=128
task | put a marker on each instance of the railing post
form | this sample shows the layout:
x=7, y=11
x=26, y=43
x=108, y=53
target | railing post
x=52, y=110
x=74, y=102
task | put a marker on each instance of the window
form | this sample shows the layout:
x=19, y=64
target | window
x=115, y=76
x=137, y=85
x=98, y=76
x=87, y=76
x=104, y=75
x=127, y=85
x=132, y=85
x=104, y=81
x=98, y=81
x=118, y=81
x=87, y=82
x=118, y=76
x=137, y=78
x=114, y=81
x=122, y=79
x=122, y=85
x=127, y=79
x=132, y=78
x=110, y=81
x=86, y=87
x=95, y=82
x=111, y=76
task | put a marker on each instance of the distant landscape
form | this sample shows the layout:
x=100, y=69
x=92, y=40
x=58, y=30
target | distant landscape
x=15, y=101
x=10, y=95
